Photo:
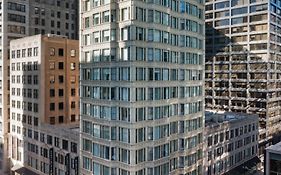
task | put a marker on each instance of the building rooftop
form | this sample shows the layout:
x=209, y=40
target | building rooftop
x=67, y=131
x=215, y=118
x=22, y=170
x=275, y=148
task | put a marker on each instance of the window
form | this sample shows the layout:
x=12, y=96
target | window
x=52, y=65
x=222, y=5
x=16, y=18
x=35, y=79
x=72, y=118
x=57, y=142
x=238, y=2
x=60, y=65
x=72, y=66
x=157, y=17
x=239, y=11
x=87, y=39
x=72, y=92
x=96, y=36
x=23, y=53
x=29, y=52
x=140, y=53
x=61, y=92
x=52, y=51
x=35, y=51
x=60, y=119
x=125, y=54
x=61, y=78
x=105, y=35
x=52, y=79
x=222, y=22
x=124, y=14
x=72, y=79
x=87, y=22
x=258, y=18
x=96, y=3
x=73, y=104
x=49, y=140
x=257, y=8
x=105, y=16
x=73, y=53
x=42, y=137
x=113, y=35
x=60, y=105
x=52, y=106
x=52, y=92
x=58, y=26
x=52, y=120
x=65, y=144
x=96, y=18
x=18, y=53
x=124, y=34
x=61, y=52
x=35, y=65
x=96, y=55
x=239, y=20
x=105, y=55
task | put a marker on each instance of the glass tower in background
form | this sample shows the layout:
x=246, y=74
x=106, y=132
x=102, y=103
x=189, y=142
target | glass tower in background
x=243, y=61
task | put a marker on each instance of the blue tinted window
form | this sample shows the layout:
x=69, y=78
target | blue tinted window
x=182, y=6
x=239, y=11
x=221, y=5
x=258, y=8
x=239, y=20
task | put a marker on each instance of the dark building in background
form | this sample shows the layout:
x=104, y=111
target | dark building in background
x=243, y=61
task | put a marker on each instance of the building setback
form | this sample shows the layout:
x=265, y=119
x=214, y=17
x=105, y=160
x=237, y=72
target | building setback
x=21, y=18
x=141, y=87
x=231, y=141
x=272, y=162
x=44, y=91
x=243, y=61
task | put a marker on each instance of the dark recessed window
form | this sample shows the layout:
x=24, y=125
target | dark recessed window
x=52, y=92
x=72, y=118
x=60, y=51
x=50, y=139
x=61, y=106
x=60, y=78
x=35, y=121
x=52, y=120
x=65, y=144
x=73, y=104
x=72, y=92
x=60, y=92
x=60, y=65
x=60, y=119
x=52, y=106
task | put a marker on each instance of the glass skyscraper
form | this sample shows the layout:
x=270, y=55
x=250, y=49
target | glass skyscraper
x=142, y=84
x=243, y=61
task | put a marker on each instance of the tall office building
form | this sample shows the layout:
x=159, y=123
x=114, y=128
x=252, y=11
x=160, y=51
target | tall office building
x=44, y=91
x=141, y=87
x=243, y=60
x=21, y=18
